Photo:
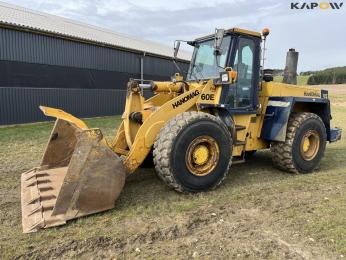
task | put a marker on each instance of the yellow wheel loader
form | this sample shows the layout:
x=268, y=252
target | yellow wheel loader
x=194, y=128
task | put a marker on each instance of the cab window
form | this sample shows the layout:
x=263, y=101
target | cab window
x=244, y=65
x=206, y=65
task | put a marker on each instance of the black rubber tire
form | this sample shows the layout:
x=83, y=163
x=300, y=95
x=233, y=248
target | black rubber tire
x=287, y=156
x=171, y=145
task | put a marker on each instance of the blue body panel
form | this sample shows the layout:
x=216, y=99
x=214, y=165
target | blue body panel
x=278, y=112
x=276, y=118
x=335, y=134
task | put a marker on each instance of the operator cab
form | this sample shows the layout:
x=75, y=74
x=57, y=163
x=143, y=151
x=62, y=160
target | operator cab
x=239, y=51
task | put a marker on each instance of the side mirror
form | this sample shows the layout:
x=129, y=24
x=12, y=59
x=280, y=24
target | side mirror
x=218, y=40
x=176, y=48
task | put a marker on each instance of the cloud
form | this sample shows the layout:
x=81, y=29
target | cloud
x=315, y=33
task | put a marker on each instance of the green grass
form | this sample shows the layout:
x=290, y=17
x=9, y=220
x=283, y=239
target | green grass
x=301, y=80
x=311, y=205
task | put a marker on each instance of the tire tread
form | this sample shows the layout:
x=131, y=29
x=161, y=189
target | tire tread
x=165, y=141
x=282, y=151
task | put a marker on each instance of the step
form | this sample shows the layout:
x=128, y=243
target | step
x=240, y=127
x=238, y=142
x=237, y=161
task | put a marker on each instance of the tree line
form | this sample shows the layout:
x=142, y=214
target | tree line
x=335, y=75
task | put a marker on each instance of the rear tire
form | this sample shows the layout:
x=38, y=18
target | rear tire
x=177, y=147
x=294, y=155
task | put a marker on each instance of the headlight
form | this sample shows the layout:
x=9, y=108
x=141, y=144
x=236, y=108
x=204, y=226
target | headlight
x=224, y=77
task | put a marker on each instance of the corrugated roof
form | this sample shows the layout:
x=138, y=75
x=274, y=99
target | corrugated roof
x=38, y=21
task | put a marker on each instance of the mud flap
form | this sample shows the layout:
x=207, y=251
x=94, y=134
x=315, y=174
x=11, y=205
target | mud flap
x=79, y=175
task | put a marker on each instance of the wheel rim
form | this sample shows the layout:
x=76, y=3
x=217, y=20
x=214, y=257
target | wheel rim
x=310, y=145
x=202, y=155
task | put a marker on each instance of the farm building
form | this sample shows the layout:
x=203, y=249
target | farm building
x=83, y=69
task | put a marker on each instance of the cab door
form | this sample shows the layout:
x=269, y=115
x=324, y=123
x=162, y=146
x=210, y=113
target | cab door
x=245, y=60
x=244, y=66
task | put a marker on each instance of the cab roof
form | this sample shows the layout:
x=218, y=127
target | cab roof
x=243, y=31
x=234, y=30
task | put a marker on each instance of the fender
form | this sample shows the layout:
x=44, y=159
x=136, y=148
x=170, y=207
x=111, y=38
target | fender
x=279, y=110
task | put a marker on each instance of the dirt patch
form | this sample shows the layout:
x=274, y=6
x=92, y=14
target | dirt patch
x=333, y=89
x=215, y=232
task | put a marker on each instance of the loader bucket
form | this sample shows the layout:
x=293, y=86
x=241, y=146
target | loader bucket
x=79, y=175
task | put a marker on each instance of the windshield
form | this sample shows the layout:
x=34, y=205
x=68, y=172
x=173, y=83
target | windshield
x=204, y=64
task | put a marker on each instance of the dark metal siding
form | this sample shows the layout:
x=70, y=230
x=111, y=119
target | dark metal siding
x=32, y=75
x=83, y=79
x=34, y=48
x=41, y=49
x=161, y=67
x=21, y=105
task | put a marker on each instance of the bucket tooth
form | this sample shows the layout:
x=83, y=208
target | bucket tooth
x=38, y=181
x=33, y=183
x=30, y=177
x=42, y=174
x=37, y=225
x=34, y=200
x=38, y=209
x=41, y=198
x=48, y=197
x=43, y=189
x=48, y=207
x=34, y=174
x=44, y=181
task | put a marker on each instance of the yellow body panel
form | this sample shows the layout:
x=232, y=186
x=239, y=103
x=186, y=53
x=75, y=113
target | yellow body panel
x=286, y=90
x=210, y=95
x=144, y=138
x=250, y=134
x=134, y=141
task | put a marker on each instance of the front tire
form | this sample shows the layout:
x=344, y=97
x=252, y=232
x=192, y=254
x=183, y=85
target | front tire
x=192, y=152
x=304, y=146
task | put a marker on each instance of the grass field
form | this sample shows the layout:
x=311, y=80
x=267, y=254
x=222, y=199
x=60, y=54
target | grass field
x=301, y=80
x=259, y=212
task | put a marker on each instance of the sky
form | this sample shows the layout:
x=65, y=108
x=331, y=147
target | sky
x=318, y=35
